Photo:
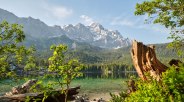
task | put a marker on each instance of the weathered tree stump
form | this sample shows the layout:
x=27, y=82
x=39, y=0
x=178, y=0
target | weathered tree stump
x=131, y=86
x=145, y=61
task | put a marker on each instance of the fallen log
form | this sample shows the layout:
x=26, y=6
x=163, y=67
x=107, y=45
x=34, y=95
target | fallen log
x=56, y=97
x=145, y=61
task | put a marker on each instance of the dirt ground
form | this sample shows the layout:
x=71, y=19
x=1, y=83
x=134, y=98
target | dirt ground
x=93, y=97
x=104, y=96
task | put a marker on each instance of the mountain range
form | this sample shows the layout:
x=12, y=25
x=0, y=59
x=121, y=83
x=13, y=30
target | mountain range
x=94, y=44
x=39, y=33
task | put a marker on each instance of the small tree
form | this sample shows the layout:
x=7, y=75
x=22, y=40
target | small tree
x=12, y=53
x=65, y=70
x=30, y=64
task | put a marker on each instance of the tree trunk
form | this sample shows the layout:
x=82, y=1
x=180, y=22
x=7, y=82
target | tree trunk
x=145, y=61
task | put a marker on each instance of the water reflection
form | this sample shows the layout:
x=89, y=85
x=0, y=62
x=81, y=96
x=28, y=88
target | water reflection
x=109, y=74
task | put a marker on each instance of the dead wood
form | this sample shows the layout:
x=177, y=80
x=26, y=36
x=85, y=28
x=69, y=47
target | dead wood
x=56, y=97
x=145, y=61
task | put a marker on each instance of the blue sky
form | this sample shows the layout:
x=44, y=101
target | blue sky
x=112, y=14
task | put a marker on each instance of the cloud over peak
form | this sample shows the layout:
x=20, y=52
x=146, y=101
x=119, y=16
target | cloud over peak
x=87, y=20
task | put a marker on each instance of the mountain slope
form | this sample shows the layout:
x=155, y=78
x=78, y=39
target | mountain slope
x=32, y=27
x=94, y=34
x=86, y=43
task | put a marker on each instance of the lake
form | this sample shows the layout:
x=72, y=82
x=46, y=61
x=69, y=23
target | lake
x=89, y=82
x=114, y=75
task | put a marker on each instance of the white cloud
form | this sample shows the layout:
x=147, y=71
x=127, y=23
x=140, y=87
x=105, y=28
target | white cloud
x=56, y=11
x=61, y=12
x=87, y=20
x=153, y=27
x=138, y=23
x=122, y=22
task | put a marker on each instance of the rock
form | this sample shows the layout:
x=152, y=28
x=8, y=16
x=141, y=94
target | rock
x=101, y=100
x=82, y=98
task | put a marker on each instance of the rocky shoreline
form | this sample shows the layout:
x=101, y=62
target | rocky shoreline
x=85, y=98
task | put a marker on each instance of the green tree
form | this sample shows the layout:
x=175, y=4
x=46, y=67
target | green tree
x=12, y=53
x=30, y=63
x=10, y=36
x=66, y=70
x=169, y=13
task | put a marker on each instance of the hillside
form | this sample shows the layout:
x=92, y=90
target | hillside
x=95, y=34
x=92, y=44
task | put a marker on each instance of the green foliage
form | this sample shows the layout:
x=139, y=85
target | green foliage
x=169, y=89
x=169, y=13
x=66, y=70
x=148, y=92
x=166, y=12
x=177, y=43
x=118, y=98
x=12, y=53
x=173, y=79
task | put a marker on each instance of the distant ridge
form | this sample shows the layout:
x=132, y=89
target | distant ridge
x=95, y=34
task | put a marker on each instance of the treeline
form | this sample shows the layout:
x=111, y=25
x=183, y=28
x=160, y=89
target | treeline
x=113, y=70
x=108, y=71
x=107, y=68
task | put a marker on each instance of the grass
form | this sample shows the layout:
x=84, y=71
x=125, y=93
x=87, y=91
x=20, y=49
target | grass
x=88, y=85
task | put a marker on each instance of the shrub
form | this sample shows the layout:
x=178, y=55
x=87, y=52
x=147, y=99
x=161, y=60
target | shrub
x=169, y=89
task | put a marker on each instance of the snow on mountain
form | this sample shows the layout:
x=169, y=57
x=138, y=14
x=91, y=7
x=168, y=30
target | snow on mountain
x=96, y=35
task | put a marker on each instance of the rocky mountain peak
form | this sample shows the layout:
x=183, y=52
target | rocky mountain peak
x=79, y=25
x=67, y=26
x=97, y=26
x=95, y=34
x=57, y=27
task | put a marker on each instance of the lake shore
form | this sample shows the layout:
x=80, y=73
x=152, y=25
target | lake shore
x=97, y=96
x=93, y=89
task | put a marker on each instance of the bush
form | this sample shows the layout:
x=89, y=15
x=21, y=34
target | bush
x=169, y=89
